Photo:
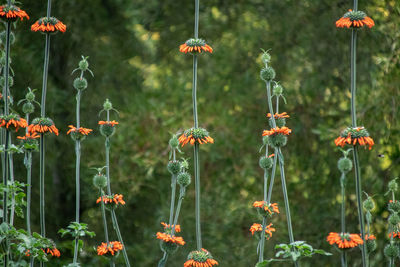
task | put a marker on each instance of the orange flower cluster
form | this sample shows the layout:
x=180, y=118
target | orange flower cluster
x=15, y=123
x=369, y=237
x=352, y=136
x=37, y=128
x=112, y=123
x=283, y=115
x=195, y=45
x=277, y=130
x=344, y=240
x=256, y=227
x=49, y=251
x=201, y=258
x=12, y=12
x=167, y=238
x=168, y=226
x=81, y=130
x=394, y=234
x=110, y=248
x=355, y=19
x=117, y=199
x=28, y=136
x=48, y=25
x=195, y=135
x=264, y=205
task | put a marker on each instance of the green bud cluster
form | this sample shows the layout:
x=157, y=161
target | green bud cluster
x=80, y=83
x=277, y=89
x=391, y=251
x=371, y=245
x=394, y=219
x=100, y=180
x=369, y=204
x=345, y=165
x=174, y=142
x=394, y=206
x=393, y=186
x=168, y=247
x=266, y=162
x=184, y=179
x=174, y=167
x=107, y=105
x=277, y=140
x=267, y=74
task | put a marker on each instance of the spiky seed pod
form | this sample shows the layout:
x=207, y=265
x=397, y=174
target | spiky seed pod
x=371, y=245
x=394, y=219
x=28, y=108
x=174, y=167
x=100, y=180
x=265, y=162
x=391, y=251
x=174, y=142
x=369, y=204
x=267, y=74
x=393, y=186
x=107, y=105
x=277, y=140
x=394, y=206
x=80, y=83
x=184, y=179
x=83, y=64
x=168, y=247
x=277, y=89
x=345, y=165
x=266, y=58
x=30, y=96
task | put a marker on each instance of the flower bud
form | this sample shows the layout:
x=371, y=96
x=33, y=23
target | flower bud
x=184, y=179
x=394, y=219
x=28, y=108
x=369, y=204
x=267, y=74
x=168, y=247
x=371, y=245
x=345, y=165
x=80, y=83
x=277, y=140
x=83, y=64
x=277, y=89
x=394, y=206
x=265, y=162
x=107, y=105
x=107, y=130
x=174, y=167
x=266, y=58
x=393, y=186
x=174, y=142
x=391, y=251
x=100, y=180
x=30, y=96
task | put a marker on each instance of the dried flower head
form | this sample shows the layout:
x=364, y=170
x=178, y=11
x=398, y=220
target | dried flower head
x=344, y=240
x=257, y=228
x=48, y=25
x=355, y=19
x=195, y=135
x=266, y=209
x=12, y=13
x=12, y=122
x=42, y=125
x=109, y=249
x=200, y=258
x=195, y=46
x=355, y=136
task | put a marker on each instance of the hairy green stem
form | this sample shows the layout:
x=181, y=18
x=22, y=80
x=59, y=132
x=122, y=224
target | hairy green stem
x=178, y=208
x=343, y=215
x=11, y=171
x=197, y=188
x=173, y=192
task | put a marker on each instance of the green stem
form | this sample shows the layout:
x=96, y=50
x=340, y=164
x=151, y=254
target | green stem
x=11, y=171
x=103, y=214
x=113, y=216
x=197, y=188
x=5, y=195
x=178, y=208
x=359, y=205
x=262, y=240
x=173, y=193
x=28, y=191
x=271, y=182
x=343, y=215
x=41, y=181
x=163, y=260
x=353, y=69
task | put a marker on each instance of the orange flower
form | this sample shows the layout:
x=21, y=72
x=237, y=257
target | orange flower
x=116, y=199
x=201, y=258
x=112, y=123
x=81, y=130
x=283, y=115
x=256, y=227
x=167, y=238
x=195, y=135
x=109, y=249
x=195, y=46
x=53, y=252
x=266, y=207
x=344, y=240
x=352, y=136
x=42, y=125
x=355, y=19
x=369, y=237
x=12, y=12
x=48, y=25
x=168, y=227
x=284, y=130
x=28, y=136
x=394, y=234
x=13, y=122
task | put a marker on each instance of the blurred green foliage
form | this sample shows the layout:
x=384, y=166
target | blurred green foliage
x=133, y=51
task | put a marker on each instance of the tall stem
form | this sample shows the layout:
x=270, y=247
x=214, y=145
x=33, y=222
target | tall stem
x=11, y=171
x=119, y=235
x=353, y=69
x=197, y=188
x=343, y=215
x=178, y=208
x=41, y=185
x=173, y=192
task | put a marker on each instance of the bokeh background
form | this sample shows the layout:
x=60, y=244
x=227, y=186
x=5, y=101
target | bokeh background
x=133, y=51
